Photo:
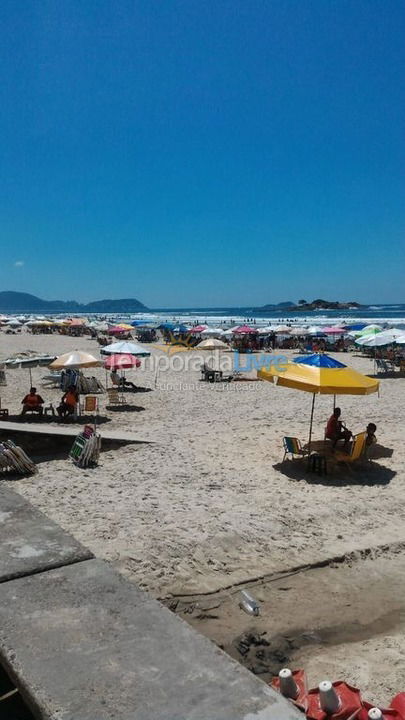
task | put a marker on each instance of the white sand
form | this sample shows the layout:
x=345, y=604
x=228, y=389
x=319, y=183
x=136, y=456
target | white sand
x=202, y=506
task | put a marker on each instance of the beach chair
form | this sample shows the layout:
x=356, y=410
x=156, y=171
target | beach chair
x=3, y=411
x=210, y=375
x=90, y=404
x=385, y=366
x=292, y=446
x=357, y=451
x=114, y=397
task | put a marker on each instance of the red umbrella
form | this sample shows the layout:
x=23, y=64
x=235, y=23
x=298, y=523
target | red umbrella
x=198, y=329
x=334, y=330
x=116, y=330
x=121, y=362
x=245, y=330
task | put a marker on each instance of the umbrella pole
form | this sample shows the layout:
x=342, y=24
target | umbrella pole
x=30, y=372
x=334, y=401
x=310, y=425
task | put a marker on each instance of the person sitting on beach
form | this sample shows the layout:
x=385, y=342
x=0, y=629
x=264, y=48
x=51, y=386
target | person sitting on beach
x=335, y=429
x=32, y=402
x=68, y=402
x=370, y=434
x=121, y=382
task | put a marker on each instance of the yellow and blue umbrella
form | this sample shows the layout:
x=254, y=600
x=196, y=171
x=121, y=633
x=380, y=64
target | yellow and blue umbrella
x=320, y=375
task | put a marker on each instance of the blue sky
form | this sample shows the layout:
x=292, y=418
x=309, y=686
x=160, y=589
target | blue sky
x=203, y=152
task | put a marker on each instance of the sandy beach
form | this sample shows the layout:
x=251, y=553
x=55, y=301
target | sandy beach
x=207, y=504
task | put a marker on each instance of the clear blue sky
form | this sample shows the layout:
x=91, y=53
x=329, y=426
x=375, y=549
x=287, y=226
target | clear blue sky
x=203, y=152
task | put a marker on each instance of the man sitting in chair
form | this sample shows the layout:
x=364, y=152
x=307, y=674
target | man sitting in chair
x=68, y=402
x=32, y=402
x=335, y=429
x=120, y=382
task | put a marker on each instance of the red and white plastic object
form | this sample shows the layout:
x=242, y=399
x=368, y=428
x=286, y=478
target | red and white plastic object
x=398, y=704
x=337, y=701
x=370, y=712
x=293, y=685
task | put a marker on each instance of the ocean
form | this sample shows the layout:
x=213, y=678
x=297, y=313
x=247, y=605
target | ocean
x=379, y=314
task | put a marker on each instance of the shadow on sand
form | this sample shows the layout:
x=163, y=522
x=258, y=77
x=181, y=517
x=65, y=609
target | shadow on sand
x=125, y=407
x=48, y=419
x=366, y=473
x=136, y=389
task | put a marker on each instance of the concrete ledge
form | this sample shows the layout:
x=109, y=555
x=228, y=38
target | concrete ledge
x=36, y=427
x=30, y=542
x=83, y=643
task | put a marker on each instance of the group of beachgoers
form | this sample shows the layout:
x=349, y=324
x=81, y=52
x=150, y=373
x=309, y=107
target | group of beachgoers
x=33, y=402
x=336, y=430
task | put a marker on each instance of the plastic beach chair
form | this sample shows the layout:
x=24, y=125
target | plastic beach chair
x=90, y=404
x=357, y=451
x=292, y=446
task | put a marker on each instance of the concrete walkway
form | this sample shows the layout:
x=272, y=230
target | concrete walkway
x=30, y=542
x=81, y=642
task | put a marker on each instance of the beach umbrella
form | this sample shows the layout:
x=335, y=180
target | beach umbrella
x=28, y=362
x=40, y=323
x=74, y=360
x=116, y=330
x=245, y=330
x=265, y=330
x=121, y=362
x=299, y=331
x=320, y=375
x=400, y=340
x=125, y=348
x=13, y=323
x=283, y=329
x=385, y=337
x=197, y=329
x=334, y=330
x=166, y=326
x=76, y=322
x=212, y=332
x=212, y=344
x=368, y=330
x=356, y=326
x=181, y=329
x=316, y=331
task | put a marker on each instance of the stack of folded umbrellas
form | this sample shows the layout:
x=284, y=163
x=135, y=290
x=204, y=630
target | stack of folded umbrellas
x=14, y=459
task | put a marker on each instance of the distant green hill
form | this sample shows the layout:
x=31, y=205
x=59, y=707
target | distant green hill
x=16, y=302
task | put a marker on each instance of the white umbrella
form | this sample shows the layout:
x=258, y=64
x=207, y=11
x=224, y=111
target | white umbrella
x=13, y=323
x=125, y=348
x=400, y=340
x=300, y=332
x=212, y=332
x=283, y=329
x=383, y=338
x=265, y=330
x=74, y=361
x=212, y=344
